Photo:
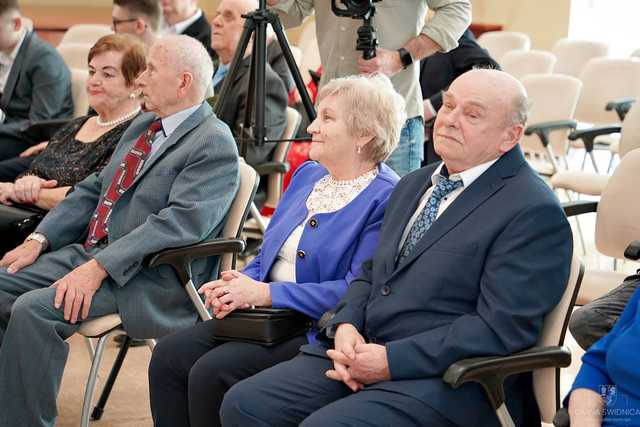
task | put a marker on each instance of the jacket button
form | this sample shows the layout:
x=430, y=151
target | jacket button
x=313, y=223
x=372, y=340
x=385, y=291
x=301, y=254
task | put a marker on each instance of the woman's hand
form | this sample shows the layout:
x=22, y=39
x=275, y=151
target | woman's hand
x=7, y=194
x=27, y=188
x=34, y=149
x=234, y=290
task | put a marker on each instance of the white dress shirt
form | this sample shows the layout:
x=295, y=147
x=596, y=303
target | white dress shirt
x=179, y=27
x=6, y=61
x=467, y=177
x=169, y=125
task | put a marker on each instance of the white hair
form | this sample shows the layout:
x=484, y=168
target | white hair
x=188, y=54
x=372, y=107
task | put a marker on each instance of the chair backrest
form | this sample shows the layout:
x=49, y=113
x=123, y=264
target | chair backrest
x=520, y=63
x=274, y=181
x=630, y=135
x=573, y=55
x=75, y=55
x=553, y=97
x=605, y=80
x=85, y=33
x=553, y=333
x=239, y=210
x=500, y=42
x=617, y=221
x=79, y=92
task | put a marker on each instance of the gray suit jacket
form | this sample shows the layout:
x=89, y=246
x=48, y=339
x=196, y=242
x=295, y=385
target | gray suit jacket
x=180, y=197
x=38, y=88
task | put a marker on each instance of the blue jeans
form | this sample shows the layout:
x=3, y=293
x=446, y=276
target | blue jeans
x=408, y=154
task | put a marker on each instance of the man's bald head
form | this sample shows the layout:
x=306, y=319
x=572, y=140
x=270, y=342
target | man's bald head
x=482, y=117
x=179, y=70
x=227, y=25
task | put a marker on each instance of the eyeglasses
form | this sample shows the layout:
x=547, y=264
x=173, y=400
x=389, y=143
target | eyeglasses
x=115, y=21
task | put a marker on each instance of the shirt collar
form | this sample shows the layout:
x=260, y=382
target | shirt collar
x=171, y=123
x=8, y=59
x=179, y=27
x=466, y=176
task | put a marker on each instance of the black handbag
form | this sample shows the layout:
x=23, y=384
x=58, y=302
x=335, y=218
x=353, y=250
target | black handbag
x=16, y=222
x=265, y=326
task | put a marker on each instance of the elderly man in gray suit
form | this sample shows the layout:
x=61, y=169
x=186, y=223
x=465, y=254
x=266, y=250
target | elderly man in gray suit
x=170, y=183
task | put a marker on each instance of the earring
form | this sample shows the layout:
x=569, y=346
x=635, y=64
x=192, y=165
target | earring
x=132, y=95
x=358, y=149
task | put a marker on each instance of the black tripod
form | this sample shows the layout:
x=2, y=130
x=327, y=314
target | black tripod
x=256, y=24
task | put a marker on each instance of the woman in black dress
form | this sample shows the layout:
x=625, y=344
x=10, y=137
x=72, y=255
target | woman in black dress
x=85, y=145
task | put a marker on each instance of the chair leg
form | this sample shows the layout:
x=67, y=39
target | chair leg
x=610, y=162
x=255, y=213
x=593, y=161
x=578, y=227
x=504, y=417
x=90, y=347
x=584, y=161
x=91, y=381
x=98, y=410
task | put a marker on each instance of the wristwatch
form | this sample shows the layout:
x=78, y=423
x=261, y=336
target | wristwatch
x=40, y=238
x=405, y=57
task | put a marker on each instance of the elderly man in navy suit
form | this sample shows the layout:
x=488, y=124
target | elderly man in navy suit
x=170, y=183
x=474, y=252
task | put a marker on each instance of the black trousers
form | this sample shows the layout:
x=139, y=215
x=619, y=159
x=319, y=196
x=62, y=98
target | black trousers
x=190, y=372
x=297, y=392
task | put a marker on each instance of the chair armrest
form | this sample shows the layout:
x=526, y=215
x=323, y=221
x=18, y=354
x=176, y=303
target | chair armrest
x=490, y=372
x=43, y=130
x=579, y=207
x=621, y=106
x=543, y=129
x=633, y=251
x=180, y=258
x=269, y=168
x=589, y=135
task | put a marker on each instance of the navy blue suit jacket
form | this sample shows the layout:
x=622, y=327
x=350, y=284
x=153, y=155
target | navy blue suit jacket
x=478, y=283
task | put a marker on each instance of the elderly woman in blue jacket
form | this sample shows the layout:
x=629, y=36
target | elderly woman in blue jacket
x=326, y=225
x=606, y=391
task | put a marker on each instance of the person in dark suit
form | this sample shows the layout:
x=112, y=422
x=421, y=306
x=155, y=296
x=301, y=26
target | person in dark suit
x=184, y=17
x=436, y=74
x=227, y=29
x=474, y=252
x=34, y=82
x=169, y=183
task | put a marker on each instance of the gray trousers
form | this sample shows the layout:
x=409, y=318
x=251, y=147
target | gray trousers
x=33, y=351
x=593, y=321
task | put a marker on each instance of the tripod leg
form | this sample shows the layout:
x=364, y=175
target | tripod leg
x=291, y=62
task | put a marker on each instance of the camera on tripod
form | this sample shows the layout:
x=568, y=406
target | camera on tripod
x=360, y=9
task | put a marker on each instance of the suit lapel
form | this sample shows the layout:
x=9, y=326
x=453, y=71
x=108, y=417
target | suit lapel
x=480, y=190
x=404, y=215
x=15, y=72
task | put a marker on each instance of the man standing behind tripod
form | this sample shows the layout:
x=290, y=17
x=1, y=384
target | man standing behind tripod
x=404, y=39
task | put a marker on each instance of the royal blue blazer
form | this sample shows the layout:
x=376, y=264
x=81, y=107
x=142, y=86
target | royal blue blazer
x=611, y=368
x=333, y=245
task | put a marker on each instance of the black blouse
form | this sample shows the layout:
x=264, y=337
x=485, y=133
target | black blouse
x=68, y=160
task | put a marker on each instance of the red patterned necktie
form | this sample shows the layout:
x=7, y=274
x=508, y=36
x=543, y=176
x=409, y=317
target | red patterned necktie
x=129, y=168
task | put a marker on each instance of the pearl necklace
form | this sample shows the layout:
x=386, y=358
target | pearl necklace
x=119, y=120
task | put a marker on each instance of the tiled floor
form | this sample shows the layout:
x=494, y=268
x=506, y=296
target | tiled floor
x=129, y=405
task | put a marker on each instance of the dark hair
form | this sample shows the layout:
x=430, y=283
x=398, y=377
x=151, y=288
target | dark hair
x=133, y=53
x=150, y=9
x=8, y=5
